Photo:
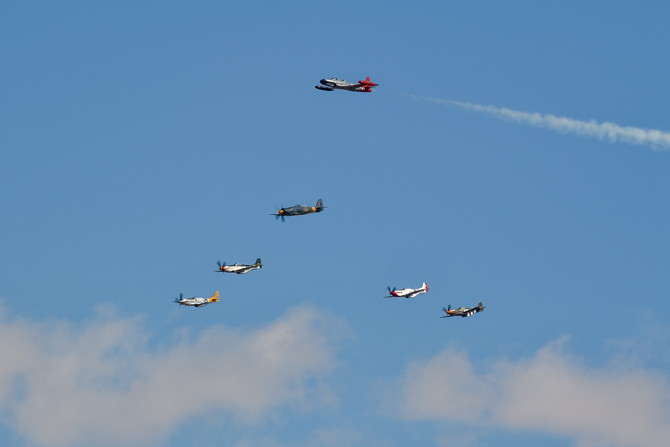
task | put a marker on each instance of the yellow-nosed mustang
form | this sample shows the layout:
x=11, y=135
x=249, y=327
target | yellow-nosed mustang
x=407, y=293
x=196, y=300
x=239, y=268
x=462, y=311
x=299, y=210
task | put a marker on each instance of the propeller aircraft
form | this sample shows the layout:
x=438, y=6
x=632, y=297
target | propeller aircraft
x=407, y=293
x=299, y=210
x=196, y=300
x=239, y=268
x=340, y=84
x=462, y=311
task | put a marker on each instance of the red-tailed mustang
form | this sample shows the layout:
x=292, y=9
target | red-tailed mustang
x=407, y=293
x=340, y=84
x=462, y=311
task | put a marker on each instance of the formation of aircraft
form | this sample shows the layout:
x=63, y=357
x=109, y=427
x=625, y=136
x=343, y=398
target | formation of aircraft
x=462, y=311
x=407, y=293
x=340, y=84
x=196, y=301
x=299, y=210
x=239, y=268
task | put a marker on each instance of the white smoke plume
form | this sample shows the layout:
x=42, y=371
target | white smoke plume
x=658, y=140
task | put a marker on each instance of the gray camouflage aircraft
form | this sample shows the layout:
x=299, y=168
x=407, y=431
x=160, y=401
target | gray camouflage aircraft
x=196, y=301
x=238, y=268
x=462, y=311
x=299, y=210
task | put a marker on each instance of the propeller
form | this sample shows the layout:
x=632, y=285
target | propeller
x=178, y=300
x=280, y=213
x=390, y=289
x=220, y=265
x=446, y=311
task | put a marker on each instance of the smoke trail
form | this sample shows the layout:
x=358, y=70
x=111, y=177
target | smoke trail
x=658, y=140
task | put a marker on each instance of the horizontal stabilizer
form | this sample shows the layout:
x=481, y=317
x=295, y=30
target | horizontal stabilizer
x=368, y=82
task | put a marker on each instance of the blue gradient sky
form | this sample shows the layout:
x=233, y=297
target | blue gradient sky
x=144, y=141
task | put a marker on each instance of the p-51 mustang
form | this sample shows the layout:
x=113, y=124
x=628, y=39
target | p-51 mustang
x=462, y=311
x=340, y=84
x=407, y=293
x=299, y=210
x=239, y=268
x=196, y=300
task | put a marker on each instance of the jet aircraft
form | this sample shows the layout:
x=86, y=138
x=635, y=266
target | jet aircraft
x=196, y=300
x=340, y=84
x=299, y=210
x=407, y=293
x=462, y=311
x=239, y=268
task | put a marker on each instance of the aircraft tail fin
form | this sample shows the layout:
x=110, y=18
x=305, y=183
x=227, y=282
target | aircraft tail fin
x=319, y=205
x=368, y=83
x=215, y=298
x=425, y=286
x=480, y=305
x=258, y=262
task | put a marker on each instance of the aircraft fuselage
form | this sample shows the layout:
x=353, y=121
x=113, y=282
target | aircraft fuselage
x=239, y=268
x=340, y=84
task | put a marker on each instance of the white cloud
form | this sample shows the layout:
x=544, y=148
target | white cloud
x=337, y=437
x=656, y=139
x=342, y=435
x=552, y=392
x=102, y=385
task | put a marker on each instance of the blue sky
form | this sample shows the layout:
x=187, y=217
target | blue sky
x=144, y=141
